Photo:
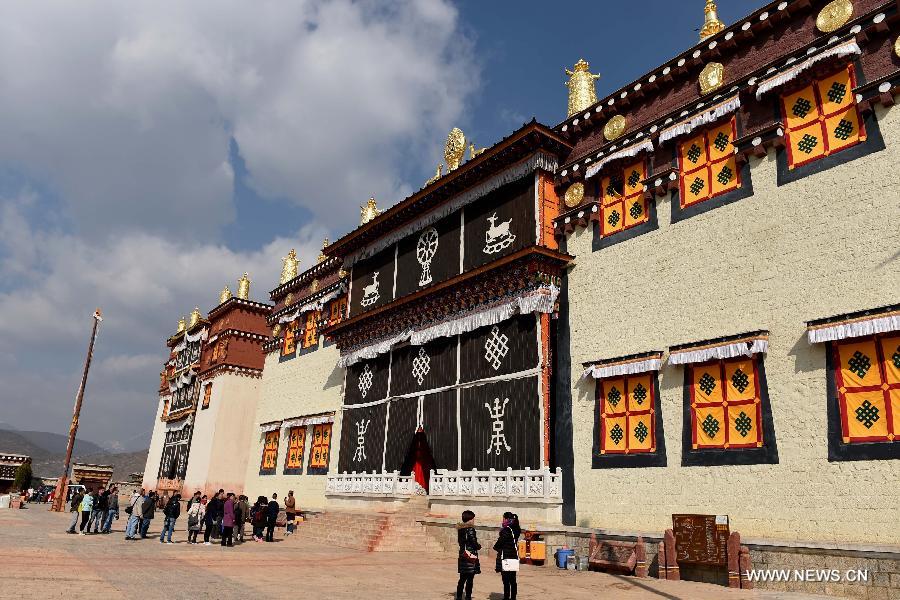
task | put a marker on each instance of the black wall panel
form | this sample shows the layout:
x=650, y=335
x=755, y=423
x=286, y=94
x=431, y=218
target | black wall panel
x=512, y=210
x=368, y=455
x=401, y=429
x=364, y=277
x=418, y=368
x=367, y=381
x=442, y=264
x=439, y=416
x=508, y=347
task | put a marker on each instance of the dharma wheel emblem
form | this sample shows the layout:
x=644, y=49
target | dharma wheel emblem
x=834, y=15
x=712, y=77
x=614, y=128
x=574, y=195
x=425, y=250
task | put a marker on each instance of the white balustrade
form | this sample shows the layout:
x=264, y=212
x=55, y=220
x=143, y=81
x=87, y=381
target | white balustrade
x=526, y=485
x=373, y=484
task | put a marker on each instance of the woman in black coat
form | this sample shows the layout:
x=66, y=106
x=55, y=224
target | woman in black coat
x=507, y=546
x=468, y=564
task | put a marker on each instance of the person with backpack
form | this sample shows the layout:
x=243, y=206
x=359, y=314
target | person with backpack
x=196, y=515
x=133, y=510
x=171, y=513
x=258, y=516
x=148, y=509
x=507, y=548
x=468, y=564
x=74, y=508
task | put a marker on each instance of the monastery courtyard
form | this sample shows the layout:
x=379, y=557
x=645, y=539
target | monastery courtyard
x=40, y=560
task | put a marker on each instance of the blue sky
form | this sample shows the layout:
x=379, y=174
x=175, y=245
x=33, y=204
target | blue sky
x=152, y=151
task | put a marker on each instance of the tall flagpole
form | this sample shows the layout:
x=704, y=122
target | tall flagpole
x=59, y=498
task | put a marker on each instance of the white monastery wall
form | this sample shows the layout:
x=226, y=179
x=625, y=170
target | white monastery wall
x=154, y=455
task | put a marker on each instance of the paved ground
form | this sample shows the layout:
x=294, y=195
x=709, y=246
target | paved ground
x=38, y=559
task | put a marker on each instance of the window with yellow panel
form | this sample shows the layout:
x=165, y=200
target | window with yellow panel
x=864, y=397
x=269, y=453
x=628, y=426
x=622, y=199
x=310, y=329
x=293, y=459
x=337, y=308
x=707, y=165
x=289, y=344
x=207, y=395
x=728, y=419
x=320, y=449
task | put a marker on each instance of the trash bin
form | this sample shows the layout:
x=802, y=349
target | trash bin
x=562, y=557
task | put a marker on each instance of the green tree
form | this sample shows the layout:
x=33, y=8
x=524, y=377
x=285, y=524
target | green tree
x=23, y=477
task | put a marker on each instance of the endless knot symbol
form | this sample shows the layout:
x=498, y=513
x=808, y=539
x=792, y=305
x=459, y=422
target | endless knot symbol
x=710, y=426
x=725, y=175
x=421, y=365
x=721, y=142
x=694, y=153
x=634, y=178
x=496, y=347
x=843, y=130
x=425, y=250
x=859, y=363
x=498, y=436
x=614, y=188
x=707, y=384
x=616, y=434
x=807, y=143
x=636, y=210
x=613, y=218
x=867, y=414
x=740, y=381
x=614, y=397
x=801, y=107
x=896, y=358
x=743, y=424
x=361, y=428
x=697, y=186
x=837, y=92
x=640, y=394
x=641, y=432
x=365, y=381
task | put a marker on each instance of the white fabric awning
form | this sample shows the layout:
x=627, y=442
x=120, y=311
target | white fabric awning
x=267, y=427
x=702, y=352
x=777, y=80
x=627, y=152
x=313, y=420
x=317, y=304
x=840, y=329
x=709, y=115
x=624, y=366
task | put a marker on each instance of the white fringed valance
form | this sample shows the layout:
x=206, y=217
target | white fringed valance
x=856, y=328
x=540, y=300
x=182, y=380
x=844, y=49
x=303, y=421
x=628, y=152
x=627, y=368
x=267, y=427
x=718, y=352
x=181, y=424
x=541, y=160
x=317, y=304
x=714, y=113
x=200, y=335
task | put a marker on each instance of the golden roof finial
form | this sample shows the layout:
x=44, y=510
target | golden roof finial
x=289, y=266
x=582, y=91
x=322, y=256
x=454, y=149
x=195, y=316
x=244, y=287
x=182, y=325
x=711, y=23
x=368, y=212
x=224, y=295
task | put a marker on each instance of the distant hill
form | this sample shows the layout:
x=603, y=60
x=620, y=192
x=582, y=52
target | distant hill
x=56, y=443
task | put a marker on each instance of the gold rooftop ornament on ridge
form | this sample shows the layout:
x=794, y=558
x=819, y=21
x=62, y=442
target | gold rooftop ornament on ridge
x=224, y=295
x=195, y=316
x=582, y=91
x=614, y=128
x=368, y=212
x=182, y=325
x=711, y=23
x=897, y=47
x=834, y=15
x=711, y=77
x=244, y=287
x=289, y=266
x=454, y=149
x=574, y=194
x=322, y=256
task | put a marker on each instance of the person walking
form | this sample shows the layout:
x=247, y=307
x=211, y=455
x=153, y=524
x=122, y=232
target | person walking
x=101, y=507
x=507, y=548
x=86, y=508
x=258, y=516
x=271, y=518
x=242, y=514
x=228, y=521
x=468, y=564
x=171, y=513
x=213, y=518
x=290, y=510
x=196, y=514
x=75, y=509
x=112, y=501
x=133, y=527
x=148, y=509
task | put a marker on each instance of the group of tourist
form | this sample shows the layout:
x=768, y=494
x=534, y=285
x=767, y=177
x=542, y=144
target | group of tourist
x=222, y=517
x=506, y=546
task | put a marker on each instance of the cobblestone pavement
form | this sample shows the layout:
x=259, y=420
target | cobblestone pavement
x=39, y=560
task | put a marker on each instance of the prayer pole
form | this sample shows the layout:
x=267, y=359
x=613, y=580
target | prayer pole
x=59, y=498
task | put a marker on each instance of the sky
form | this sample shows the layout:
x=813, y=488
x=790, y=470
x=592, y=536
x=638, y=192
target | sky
x=152, y=151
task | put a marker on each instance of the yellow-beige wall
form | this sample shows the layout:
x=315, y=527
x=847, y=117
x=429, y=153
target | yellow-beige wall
x=826, y=244
x=306, y=385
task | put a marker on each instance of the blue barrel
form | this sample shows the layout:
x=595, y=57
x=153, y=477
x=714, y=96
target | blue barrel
x=562, y=555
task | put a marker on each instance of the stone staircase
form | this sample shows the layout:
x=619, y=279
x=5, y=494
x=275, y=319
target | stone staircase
x=372, y=531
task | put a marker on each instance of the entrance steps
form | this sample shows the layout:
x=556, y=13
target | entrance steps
x=396, y=531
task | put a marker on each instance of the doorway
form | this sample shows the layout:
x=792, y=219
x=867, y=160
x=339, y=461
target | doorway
x=419, y=461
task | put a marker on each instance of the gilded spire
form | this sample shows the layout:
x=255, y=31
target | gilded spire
x=289, y=266
x=182, y=325
x=195, y=316
x=322, y=256
x=244, y=287
x=224, y=295
x=582, y=90
x=368, y=212
x=711, y=23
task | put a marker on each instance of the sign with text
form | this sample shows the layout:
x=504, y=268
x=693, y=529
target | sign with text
x=701, y=539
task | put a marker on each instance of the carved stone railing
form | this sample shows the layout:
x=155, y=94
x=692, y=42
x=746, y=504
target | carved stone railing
x=373, y=484
x=540, y=485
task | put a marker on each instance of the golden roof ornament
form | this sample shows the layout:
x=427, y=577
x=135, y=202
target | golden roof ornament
x=195, y=316
x=711, y=77
x=834, y=15
x=897, y=47
x=473, y=152
x=582, y=91
x=182, y=325
x=614, y=128
x=574, y=194
x=454, y=149
x=244, y=287
x=437, y=174
x=322, y=256
x=368, y=212
x=224, y=295
x=289, y=266
x=711, y=23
